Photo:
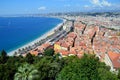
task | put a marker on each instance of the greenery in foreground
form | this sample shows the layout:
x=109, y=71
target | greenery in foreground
x=51, y=67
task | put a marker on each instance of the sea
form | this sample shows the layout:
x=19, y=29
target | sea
x=18, y=31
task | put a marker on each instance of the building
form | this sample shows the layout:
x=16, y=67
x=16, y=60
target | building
x=113, y=60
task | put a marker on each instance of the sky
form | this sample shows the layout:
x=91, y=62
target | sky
x=51, y=6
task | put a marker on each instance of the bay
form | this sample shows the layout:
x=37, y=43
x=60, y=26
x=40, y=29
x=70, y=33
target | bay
x=17, y=31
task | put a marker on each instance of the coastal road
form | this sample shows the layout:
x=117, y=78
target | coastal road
x=58, y=36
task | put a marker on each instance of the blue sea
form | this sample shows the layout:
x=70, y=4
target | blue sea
x=17, y=31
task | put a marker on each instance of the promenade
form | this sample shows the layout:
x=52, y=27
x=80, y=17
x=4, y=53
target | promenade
x=48, y=38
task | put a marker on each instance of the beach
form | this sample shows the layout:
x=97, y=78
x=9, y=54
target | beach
x=11, y=53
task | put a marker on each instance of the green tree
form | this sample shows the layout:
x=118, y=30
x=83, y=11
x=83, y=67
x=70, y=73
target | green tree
x=48, y=68
x=3, y=57
x=26, y=72
x=118, y=73
x=104, y=74
x=49, y=52
x=7, y=71
x=71, y=69
x=29, y=58
x=87, y=68
x=54, y=69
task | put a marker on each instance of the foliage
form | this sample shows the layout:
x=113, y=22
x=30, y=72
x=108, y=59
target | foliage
x=26, y=72
x=49, y=52
x=86, y=68
x=50, y=67
x=119, y=74
x=29, y=58
x=3, y=57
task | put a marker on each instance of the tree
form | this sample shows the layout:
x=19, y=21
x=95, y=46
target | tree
x=87, y=68
x=71, y=70
x=29, y=58
x=3, y=53
x=48, y=68
x=54, y=69
x=3, y=57
x=49, y=52
x=26, y=72
x=7, y=71
x=118, y=73
x=104, y=74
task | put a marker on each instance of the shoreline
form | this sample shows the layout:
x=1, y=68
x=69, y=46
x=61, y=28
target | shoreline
x=46, y=34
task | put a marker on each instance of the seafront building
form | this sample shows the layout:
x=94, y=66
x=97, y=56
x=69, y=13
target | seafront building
x=58, y=34
x=40, y=49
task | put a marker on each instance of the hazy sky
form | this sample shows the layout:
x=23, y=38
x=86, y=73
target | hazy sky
x=46, y=6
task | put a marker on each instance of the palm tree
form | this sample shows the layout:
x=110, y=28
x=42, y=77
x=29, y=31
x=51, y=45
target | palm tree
x=26, y=72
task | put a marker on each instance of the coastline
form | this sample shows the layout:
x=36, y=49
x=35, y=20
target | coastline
x=46, y=34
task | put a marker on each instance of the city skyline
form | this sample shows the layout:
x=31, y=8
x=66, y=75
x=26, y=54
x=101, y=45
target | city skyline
x=52, y=6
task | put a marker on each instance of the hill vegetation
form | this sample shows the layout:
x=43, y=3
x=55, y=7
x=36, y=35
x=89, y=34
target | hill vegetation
x=52, y=67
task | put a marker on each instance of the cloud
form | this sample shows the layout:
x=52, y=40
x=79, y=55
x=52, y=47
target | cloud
x=96, y=2
x=42, y=8
x=86, y=6
x=105, y=3
x=100, y=3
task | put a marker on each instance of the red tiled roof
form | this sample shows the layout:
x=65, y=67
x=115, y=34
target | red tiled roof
x=43, y=47
x=73, y=50
x=115, y=58
x=82, y=43
x=80, y=53
x=72, y=35
x=66, y=45
x=64, y=52
x=33, y=52
x=46, y=45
